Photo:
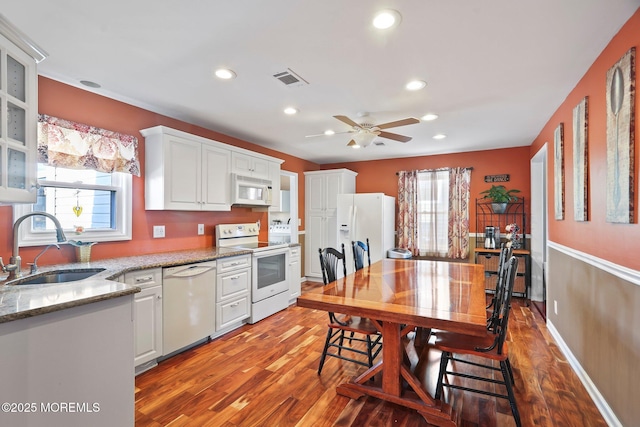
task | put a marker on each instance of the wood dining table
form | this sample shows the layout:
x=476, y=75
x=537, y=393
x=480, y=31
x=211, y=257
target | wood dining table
x=402, y=295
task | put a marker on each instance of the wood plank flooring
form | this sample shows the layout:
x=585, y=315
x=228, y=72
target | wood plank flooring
x=266, y=375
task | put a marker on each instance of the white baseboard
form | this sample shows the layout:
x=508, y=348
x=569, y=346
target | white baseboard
x=602, y=405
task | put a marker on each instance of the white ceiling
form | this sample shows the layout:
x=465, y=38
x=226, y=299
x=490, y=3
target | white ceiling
x=496, y=69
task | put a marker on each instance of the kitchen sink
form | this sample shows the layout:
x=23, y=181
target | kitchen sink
x=61, y=276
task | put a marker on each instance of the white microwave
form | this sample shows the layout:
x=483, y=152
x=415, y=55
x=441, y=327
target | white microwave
x=250, y=191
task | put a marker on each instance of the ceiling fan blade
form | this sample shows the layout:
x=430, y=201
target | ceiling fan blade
x=324, y=134
x=394, y=136
x=347, y=120
x=403, y=122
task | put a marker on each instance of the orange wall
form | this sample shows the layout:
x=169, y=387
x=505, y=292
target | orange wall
x=379, y=176
x=60, y=100
x=617, y=243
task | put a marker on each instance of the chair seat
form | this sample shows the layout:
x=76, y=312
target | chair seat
x=468, y=344
x=355, y=324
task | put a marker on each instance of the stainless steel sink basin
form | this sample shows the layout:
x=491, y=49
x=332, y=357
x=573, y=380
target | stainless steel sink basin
x=61, y=276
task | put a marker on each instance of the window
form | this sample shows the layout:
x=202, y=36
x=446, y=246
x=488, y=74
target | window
x=98, y=203
x=433, y=212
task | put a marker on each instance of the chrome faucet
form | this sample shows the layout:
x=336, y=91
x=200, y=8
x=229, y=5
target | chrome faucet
x=14, y=267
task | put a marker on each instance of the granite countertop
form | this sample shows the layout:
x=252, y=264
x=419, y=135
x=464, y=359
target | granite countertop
x=21, y=301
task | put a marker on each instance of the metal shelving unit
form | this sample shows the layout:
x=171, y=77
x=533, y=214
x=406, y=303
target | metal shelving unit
x=485, y=216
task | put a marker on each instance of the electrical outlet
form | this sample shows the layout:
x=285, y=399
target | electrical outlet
x=555, y=306
x=200, y=229
x=158, y=231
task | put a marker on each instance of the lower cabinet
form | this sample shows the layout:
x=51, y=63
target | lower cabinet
x=147, y=317
x=295, y=271
x=233, y=291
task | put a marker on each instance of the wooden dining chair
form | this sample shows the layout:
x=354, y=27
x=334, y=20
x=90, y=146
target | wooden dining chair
x=492, y=347
x=505, y=254
x=362, y=330
x=359, y=251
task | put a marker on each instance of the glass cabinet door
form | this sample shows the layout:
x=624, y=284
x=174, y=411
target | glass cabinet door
x=18, y=123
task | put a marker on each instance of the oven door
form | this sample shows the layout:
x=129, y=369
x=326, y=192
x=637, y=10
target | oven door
x=270, y=273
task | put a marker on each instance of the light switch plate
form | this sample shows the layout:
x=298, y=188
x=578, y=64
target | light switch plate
x=200, y=229
x=158, y=231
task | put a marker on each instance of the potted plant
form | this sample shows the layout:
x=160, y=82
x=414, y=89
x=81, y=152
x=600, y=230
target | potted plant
x=499, y=197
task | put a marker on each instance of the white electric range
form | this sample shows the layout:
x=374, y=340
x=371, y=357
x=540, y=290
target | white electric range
x=269, y=267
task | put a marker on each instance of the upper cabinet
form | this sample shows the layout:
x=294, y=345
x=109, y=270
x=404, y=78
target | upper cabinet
x=182, y=172
x=18, y=114
x=188, y=172
x=248, y=165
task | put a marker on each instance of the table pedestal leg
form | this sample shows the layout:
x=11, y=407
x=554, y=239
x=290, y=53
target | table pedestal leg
x=393, y=372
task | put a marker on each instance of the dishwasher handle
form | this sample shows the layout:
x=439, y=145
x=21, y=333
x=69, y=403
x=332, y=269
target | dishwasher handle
x=190, y=271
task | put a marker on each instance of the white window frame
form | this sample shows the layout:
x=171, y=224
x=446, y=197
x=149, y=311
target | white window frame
x=123, y=230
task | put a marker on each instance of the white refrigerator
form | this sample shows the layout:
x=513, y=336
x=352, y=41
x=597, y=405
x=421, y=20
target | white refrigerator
x=366, y=215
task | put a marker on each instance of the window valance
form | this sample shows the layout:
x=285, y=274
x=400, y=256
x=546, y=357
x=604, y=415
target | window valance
x=78, y=146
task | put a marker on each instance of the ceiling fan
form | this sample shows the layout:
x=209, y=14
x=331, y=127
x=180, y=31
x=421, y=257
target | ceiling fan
x=365, y=133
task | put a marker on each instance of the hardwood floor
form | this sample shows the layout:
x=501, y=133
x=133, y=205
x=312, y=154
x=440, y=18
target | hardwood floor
x=266, y=375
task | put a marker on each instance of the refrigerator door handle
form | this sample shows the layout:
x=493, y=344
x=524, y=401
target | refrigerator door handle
x=353, y=222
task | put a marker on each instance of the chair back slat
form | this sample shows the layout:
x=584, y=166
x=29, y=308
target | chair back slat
x=359, y=251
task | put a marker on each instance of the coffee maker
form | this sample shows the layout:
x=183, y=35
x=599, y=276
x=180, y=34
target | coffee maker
x=491, y=237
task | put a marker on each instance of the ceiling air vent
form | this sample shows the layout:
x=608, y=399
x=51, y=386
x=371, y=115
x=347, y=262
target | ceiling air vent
x=378, y=143
x=290, y=78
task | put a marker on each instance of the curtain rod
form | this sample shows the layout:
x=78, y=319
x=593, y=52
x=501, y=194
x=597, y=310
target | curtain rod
x=439, y=169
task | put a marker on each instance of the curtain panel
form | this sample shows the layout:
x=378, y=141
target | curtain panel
x=459, y=194
x=78, y=146
x=407, y=211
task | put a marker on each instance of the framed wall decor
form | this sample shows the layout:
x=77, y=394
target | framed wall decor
x=558, y=171
x=580, y=161
x=620, y=92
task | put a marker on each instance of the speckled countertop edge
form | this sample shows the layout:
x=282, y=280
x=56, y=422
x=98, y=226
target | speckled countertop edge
x=22, y=301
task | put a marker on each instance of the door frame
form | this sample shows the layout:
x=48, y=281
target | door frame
x=539, y=226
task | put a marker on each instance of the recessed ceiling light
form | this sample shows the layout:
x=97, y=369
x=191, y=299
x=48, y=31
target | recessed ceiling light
x=225, y=74
x=90, y=84
x=290, y=111
x=429, y=117
x=329, y=132
x=439, y=136
x=416, y=85
x=386, y=19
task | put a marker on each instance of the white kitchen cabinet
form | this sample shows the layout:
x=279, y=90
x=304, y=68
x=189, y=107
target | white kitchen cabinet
x=19, y=115
x=147, y=317
x=233, y=291
x=321, y=196
x=248, y=165
x=295, y=271
x=185, y=172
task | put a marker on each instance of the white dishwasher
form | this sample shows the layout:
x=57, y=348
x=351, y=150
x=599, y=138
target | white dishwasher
x=188, y=304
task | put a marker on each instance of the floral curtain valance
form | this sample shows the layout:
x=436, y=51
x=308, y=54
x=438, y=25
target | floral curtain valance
x=77, y=146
